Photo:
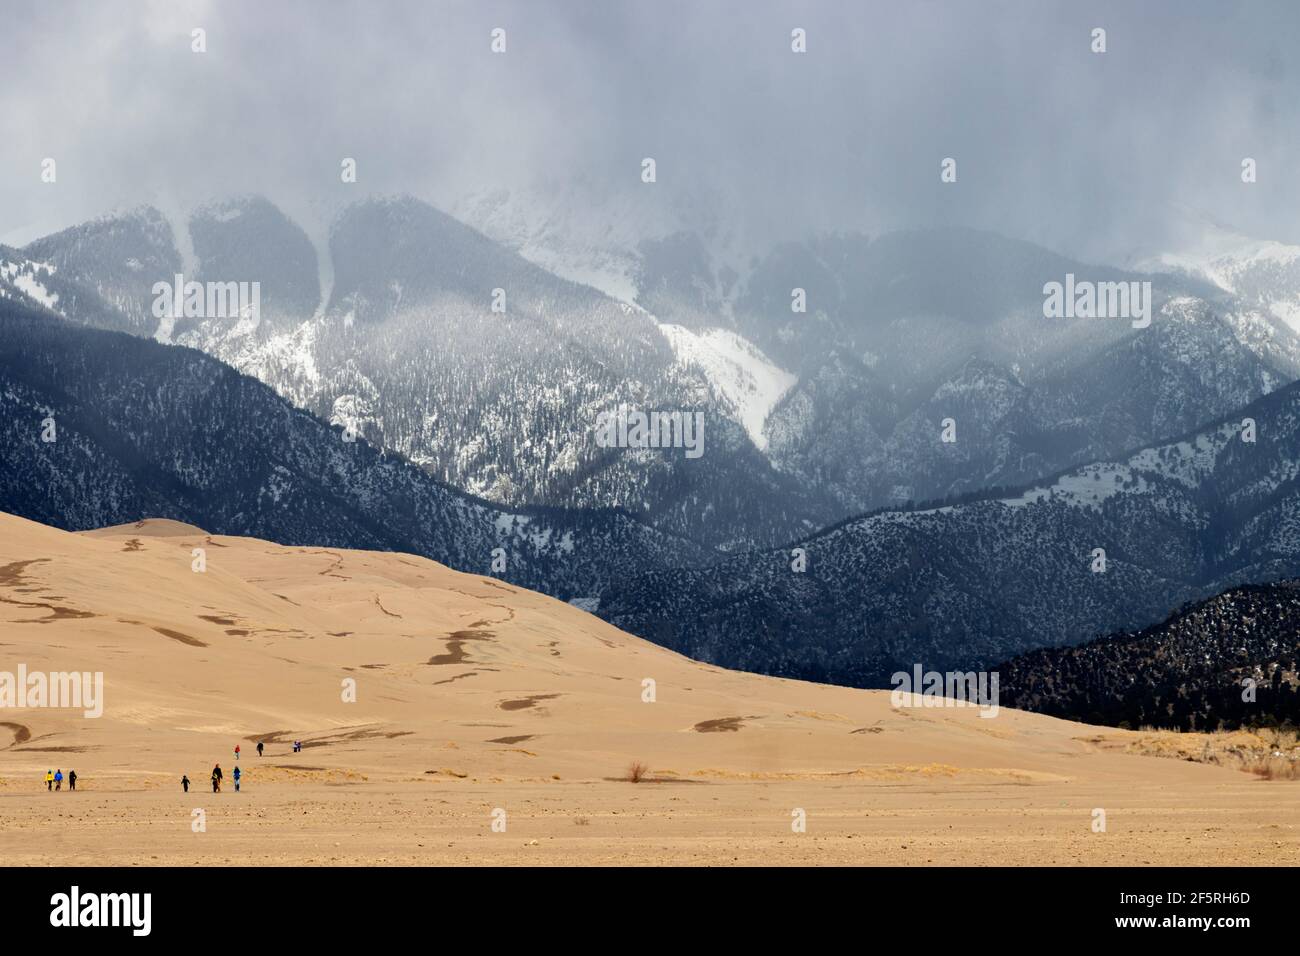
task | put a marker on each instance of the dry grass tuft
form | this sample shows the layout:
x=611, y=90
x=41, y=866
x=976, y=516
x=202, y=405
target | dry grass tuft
x=1269, y=753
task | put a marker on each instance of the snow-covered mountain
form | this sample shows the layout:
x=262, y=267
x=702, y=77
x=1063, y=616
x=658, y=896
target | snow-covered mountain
x=906, y=330
x=1262, y=277
x=1263, y=272
x=910, y=330
x=450, y=347
x=411, y=351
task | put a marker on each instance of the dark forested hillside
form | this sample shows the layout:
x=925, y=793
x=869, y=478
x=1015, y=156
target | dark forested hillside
x=1224, y=663
x=973, y=583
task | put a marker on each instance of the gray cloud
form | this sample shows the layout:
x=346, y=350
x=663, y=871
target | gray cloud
x=1082, y=152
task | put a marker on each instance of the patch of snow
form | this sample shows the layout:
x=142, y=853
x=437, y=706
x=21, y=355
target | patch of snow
x=1089, y=486
x=179, y=223
x=1287, y=310
x=737, y=370
x=24, y=276
x=1186, y=462
x=29, y=286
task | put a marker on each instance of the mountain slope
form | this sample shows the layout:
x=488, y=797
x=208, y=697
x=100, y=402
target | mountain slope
x=145, y=429
x=1262, y=275
x=971, y=583
x=114, y=262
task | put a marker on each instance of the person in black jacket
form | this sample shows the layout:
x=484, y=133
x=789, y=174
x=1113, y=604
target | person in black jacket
x=185, y=782
x=216, y=779
x=72, y=780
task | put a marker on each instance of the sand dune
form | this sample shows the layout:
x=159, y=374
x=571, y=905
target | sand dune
x=472, y=695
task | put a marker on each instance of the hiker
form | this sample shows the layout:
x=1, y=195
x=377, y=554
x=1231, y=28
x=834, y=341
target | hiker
x=259, y=748
x=216, y=779
x=185, y=783
x=72, y=780
x=236, y=752
x=236, y=780
x=49, y=780
x=58, y=780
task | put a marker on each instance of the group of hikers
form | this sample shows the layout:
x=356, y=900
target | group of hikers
x=217, y=776
x=54, y=780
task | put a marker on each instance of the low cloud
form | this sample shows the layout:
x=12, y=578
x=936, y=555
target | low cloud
x=1093, y=154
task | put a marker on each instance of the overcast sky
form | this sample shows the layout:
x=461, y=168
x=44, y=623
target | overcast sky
x=1083, y=152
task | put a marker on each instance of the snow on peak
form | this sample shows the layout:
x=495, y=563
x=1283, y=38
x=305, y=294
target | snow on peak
x=1225, y=258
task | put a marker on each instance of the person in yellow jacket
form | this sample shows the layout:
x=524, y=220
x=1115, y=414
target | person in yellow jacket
x=49, y=780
